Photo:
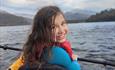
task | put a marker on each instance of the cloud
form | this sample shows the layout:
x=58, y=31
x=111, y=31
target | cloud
x=28, y=3
x=98, y=4
x=22, y=2
x=24, y=5
x=65, y=5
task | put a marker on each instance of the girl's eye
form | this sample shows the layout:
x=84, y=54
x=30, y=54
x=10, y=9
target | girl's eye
x=63, y=23
x=53, y=27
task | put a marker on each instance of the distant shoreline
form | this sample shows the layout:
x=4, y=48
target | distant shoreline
x=69, y=22
x=14, y=25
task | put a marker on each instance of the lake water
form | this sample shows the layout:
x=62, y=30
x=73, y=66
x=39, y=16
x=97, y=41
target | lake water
x=90, y=40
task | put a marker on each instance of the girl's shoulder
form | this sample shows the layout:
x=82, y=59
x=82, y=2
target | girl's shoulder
x=59, y=56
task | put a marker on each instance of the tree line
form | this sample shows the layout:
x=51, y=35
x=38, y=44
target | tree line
x=105, y=15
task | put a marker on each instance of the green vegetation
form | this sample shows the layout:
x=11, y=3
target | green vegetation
x=106, y=15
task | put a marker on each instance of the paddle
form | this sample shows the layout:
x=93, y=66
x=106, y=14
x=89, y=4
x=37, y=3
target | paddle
x=5, y=47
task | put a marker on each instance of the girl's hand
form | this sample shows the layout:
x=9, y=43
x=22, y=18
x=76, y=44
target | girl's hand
x=74, y=57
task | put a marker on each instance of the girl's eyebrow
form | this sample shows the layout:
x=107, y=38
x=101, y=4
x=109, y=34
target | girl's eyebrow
x=64, y=21
x=56, y=23
x=53, y=25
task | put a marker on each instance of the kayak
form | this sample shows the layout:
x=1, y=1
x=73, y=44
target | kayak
x=17, y=64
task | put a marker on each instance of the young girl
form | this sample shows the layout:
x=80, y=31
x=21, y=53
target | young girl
x=47, y=42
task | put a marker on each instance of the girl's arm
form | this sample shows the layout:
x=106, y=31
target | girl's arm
x=60, y=57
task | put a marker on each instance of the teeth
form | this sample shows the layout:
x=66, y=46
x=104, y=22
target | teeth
x=61, y=36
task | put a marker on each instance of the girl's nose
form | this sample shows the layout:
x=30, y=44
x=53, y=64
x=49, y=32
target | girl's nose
x=61, y=30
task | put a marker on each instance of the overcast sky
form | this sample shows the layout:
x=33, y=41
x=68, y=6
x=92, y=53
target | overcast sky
x=30, y=6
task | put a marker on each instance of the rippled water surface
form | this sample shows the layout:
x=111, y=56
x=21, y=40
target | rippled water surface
x=89, y=40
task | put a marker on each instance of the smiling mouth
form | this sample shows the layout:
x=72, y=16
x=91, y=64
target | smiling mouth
x=61, y=37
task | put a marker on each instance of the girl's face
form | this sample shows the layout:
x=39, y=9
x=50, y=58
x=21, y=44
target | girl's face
x=59, y=29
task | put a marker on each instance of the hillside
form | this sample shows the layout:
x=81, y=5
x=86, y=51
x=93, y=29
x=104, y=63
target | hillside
x=7, y=19
x=105, y=15
x=78, y=15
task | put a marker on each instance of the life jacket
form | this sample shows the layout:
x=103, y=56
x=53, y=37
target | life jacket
x=67, y=47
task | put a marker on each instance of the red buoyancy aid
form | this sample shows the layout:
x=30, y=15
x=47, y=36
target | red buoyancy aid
x=67, y=46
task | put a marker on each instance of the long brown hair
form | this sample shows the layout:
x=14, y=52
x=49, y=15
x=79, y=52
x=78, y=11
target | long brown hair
x=40, y=37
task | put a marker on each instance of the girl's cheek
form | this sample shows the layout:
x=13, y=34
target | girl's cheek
x=66, y=31
x=53, y=37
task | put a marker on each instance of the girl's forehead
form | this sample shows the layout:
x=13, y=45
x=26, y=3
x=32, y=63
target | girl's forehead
x=59, y=18
x=59, y=15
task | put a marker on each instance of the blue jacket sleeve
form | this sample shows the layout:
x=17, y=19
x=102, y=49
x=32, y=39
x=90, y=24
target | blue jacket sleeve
x=60, y=57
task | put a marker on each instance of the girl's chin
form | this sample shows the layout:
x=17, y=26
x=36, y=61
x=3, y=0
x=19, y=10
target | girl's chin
x=60, y=41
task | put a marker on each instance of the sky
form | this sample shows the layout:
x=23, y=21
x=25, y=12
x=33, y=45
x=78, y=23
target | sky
x=31, y=6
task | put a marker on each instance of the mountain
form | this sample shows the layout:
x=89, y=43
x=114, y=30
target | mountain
x=79, y=15
x=88, y=12
x=104, y=15
x=7, y=19
x=26, y=15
